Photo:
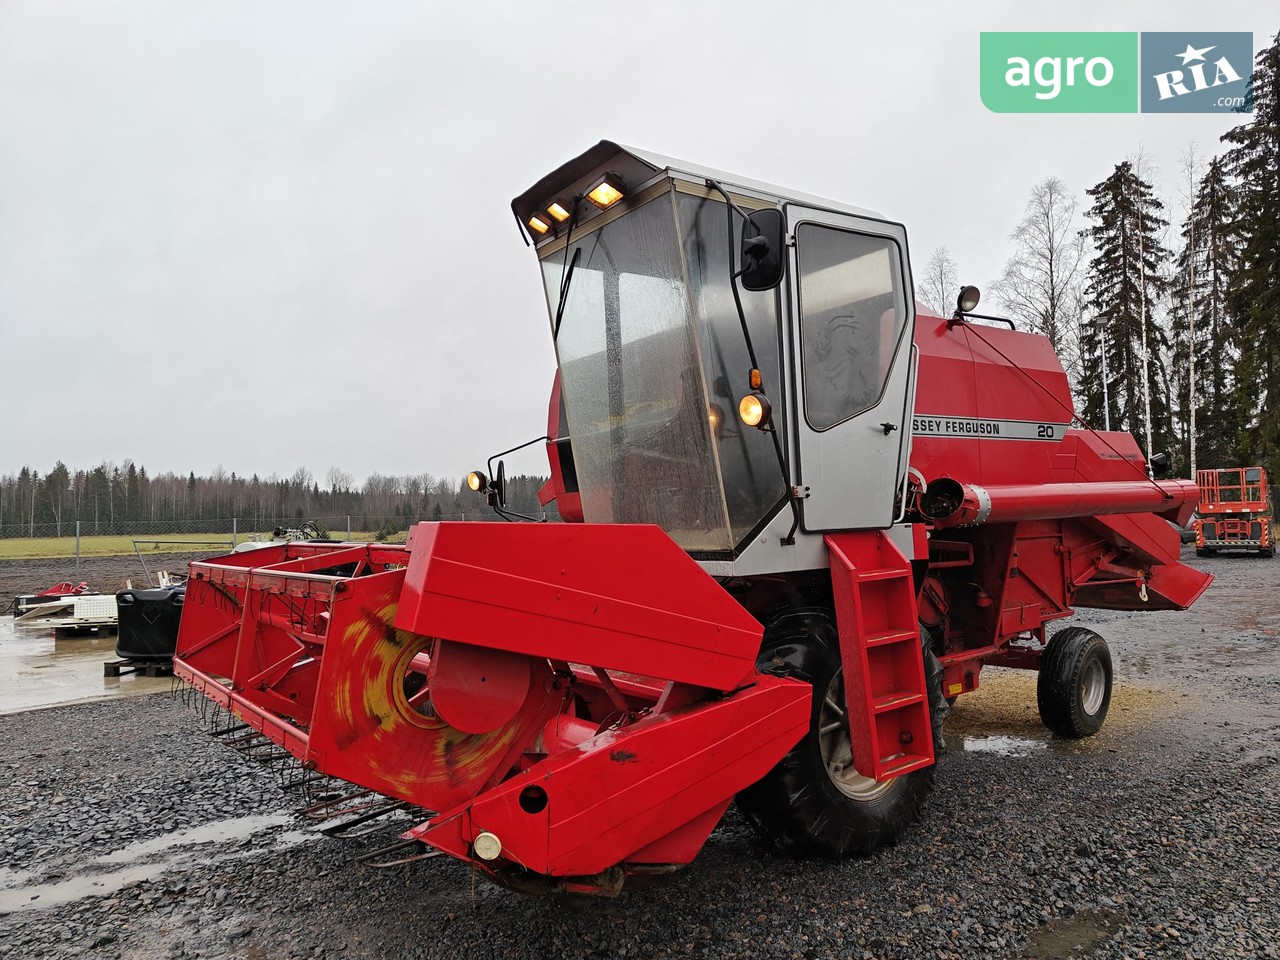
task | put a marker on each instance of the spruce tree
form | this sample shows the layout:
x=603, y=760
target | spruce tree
x=133, y=491
x=1202, y=318
x=1124, y=288
x=1254, y=163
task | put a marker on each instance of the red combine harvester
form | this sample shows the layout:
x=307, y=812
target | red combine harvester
x=1234, y=512
x=811, y=514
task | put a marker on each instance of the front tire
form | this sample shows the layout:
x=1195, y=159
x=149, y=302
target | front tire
x=814, y=803
x=1073, y=689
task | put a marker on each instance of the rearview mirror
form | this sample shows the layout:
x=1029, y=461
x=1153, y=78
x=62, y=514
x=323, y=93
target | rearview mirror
x=1159, y=465
x=499, y=485
x=763, y=243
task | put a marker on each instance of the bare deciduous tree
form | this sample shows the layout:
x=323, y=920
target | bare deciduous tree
x=1040, y=284
x=939, y=286
x=1191, y=173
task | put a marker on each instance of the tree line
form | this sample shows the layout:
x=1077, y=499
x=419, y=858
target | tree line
x=125, y=498
x=1171, y=332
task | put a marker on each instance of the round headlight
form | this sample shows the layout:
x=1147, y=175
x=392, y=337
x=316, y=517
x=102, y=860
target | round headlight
x=967, y=302
x=477, y=481
x=754, y=410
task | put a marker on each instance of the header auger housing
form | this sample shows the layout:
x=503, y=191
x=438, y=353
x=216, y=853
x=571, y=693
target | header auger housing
x=450, y=674
x=805, y=514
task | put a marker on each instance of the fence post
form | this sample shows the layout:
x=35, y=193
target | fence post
x=235, y=536
x=348, y=526
x=77, y=576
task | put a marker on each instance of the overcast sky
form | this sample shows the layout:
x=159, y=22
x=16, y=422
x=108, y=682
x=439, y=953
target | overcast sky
x=266, y=235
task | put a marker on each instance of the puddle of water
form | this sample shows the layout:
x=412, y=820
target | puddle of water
x=37, y=670
x=1005, y=746
x=1068, y=937
x=46, y=895
x=12, y=878
x=295, y=838
x=216, y=832
x=18, y=893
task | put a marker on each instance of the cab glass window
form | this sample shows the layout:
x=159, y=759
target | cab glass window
x=852, y=311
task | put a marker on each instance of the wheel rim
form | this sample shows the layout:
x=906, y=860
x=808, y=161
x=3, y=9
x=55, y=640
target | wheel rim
x=837, y=747
x=1093, y=687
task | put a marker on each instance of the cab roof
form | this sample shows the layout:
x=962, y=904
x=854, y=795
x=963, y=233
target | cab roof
x=636, y=166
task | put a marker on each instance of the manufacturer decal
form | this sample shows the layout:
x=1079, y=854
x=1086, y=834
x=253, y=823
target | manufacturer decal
x=924, y=425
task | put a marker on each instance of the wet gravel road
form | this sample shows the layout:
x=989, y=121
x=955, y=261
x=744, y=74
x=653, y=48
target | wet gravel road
x=128, y=832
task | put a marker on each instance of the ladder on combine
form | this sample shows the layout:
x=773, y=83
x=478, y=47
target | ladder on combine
x=885, y=684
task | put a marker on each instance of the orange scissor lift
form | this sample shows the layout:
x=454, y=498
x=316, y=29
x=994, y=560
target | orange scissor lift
x=1234, y=512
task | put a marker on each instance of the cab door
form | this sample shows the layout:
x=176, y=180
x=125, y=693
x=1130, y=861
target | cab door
x=852, y=321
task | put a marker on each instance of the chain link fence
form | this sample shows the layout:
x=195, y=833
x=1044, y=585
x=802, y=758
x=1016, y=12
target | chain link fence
x=171, y=534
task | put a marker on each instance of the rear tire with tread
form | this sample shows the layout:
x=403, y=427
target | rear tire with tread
x=1073, y=690
x=798, y=806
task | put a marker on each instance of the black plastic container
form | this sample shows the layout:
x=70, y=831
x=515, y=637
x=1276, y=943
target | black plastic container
x=149, y=622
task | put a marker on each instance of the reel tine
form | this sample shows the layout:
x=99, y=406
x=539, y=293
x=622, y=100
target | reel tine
x=416, y=850
x=324, y=786
x=271, y=757
x=290, y=773
x=295, y=776
x=346, y=828
x=337, y=806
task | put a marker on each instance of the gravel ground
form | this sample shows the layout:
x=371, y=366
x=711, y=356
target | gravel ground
x=1158, y=837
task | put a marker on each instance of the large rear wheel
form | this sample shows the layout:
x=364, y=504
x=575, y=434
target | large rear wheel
x=814, y=802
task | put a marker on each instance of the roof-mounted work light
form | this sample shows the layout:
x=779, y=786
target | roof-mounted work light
x=607, y=192
x=538, y=225
x=558, y=213
x=966, y=303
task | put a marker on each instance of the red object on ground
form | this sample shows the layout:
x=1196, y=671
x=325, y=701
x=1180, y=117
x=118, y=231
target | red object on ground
x=65, y=589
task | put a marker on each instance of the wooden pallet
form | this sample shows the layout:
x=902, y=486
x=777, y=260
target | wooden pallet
x=141, y=668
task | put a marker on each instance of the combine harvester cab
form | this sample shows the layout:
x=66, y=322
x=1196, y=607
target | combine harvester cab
x=806, y=517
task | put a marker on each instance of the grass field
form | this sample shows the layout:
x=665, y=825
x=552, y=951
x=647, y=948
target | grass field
x=40, y=548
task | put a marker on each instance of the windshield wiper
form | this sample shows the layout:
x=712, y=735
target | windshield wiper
x=564, y=292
